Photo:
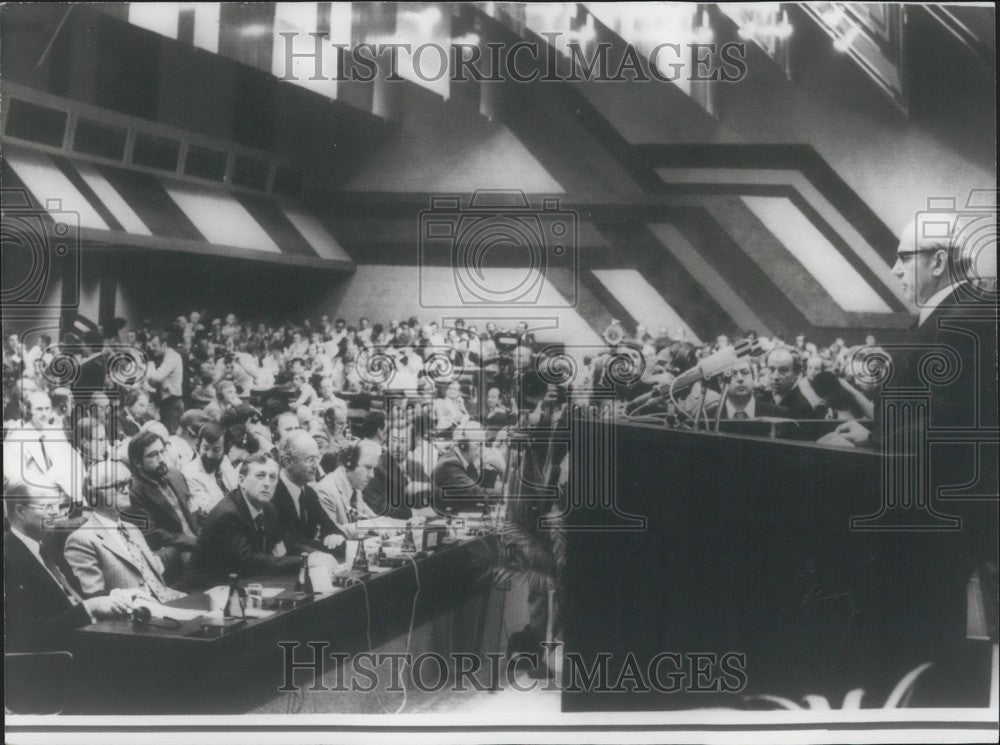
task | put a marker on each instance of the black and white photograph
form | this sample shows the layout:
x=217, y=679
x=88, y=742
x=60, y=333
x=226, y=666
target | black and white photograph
x=499, y=372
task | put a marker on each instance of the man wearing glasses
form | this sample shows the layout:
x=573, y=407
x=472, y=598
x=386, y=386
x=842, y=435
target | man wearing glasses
x=109, y=553
x=41, y=605
x=935, y=275
x=296, y=503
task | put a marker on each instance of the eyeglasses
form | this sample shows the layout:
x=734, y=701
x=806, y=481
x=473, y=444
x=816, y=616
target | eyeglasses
x=908, y=255
x=119, y=485
x=56, y=508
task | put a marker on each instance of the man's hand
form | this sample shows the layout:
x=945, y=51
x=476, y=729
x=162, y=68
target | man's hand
x=333, y=540
x=854, y=433
x=106, y=607
x=415, y=487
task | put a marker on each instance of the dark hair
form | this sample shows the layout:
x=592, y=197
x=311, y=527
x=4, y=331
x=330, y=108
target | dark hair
x=210, y=432
x=259, y=457
x=133, y=395
x=329, y=461
x=349, y=456
x=372, y=423
x=138, y=444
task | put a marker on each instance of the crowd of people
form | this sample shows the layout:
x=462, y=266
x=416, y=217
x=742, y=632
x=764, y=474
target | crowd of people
x=205, y=449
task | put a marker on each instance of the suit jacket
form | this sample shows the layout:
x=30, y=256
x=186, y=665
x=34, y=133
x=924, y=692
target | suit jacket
x=228, y=543
x=761, y=408
x=386, y=492
x=309, y=527
x=37, y=614
x=24, y=460
x=127, y=426
x=795, y=405
x=456, y=486
x=153, y=513
x=101, y=562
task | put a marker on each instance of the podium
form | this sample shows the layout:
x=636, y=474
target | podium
x=747, y=548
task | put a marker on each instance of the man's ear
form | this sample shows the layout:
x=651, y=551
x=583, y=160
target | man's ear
x=939, y=263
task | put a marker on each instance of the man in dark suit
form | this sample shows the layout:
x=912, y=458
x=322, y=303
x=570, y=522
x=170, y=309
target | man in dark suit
x=391, y=492
x=243, y=534
x=949, y=357
x=785, y=368
x=456, y=478
x=296, y=503
x=740, y=402
x=159, y=498
x=41, y=605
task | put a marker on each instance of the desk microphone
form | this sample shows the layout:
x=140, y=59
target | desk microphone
x=144, y=616
x=715, y=364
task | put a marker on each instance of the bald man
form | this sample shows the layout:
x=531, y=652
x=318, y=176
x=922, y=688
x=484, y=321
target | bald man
x=108, y=552
x=295, y=501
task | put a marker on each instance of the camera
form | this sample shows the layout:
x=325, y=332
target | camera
x=41, y=246
x=499, y=251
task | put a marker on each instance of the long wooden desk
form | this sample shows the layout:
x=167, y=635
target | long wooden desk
x=122, y=667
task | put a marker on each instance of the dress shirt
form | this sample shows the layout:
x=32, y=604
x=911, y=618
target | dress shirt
x=169, y=374
x=294, y=491
x=750, y=409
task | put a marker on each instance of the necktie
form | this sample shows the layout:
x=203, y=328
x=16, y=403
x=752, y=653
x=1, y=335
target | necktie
x=259, y=537
x=56, y=572
x=45, y=454
x=171, y=495
x=219, y=480
x=150, y=579
x=740, y=415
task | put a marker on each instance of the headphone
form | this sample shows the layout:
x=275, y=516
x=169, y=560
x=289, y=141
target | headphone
x=350, y=456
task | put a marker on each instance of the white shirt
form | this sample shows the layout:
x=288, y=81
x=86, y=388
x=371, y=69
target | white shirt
x=294, y=490
x=750, y=409
x=254, y=511
x=935, y=300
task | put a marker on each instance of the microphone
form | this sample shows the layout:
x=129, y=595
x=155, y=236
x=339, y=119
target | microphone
x=715, y=364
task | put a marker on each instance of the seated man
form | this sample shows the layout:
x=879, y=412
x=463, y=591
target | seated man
x=210, y=476
x=242, y=533
x=296, y=503
x=108, y=553
x=784, y=368
x=391, y=492
x=40, y=454
x=41, y=605
x=457, y=476
x=740, y=402
x=347, y=475
x=159, y=498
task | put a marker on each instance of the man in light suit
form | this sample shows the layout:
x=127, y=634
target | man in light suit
x=108, y=553
x=40, y=454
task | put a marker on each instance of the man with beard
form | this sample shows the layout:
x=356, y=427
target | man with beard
x=210, y=476
x=159, y=498
x=391, y=492
x=165, y=374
